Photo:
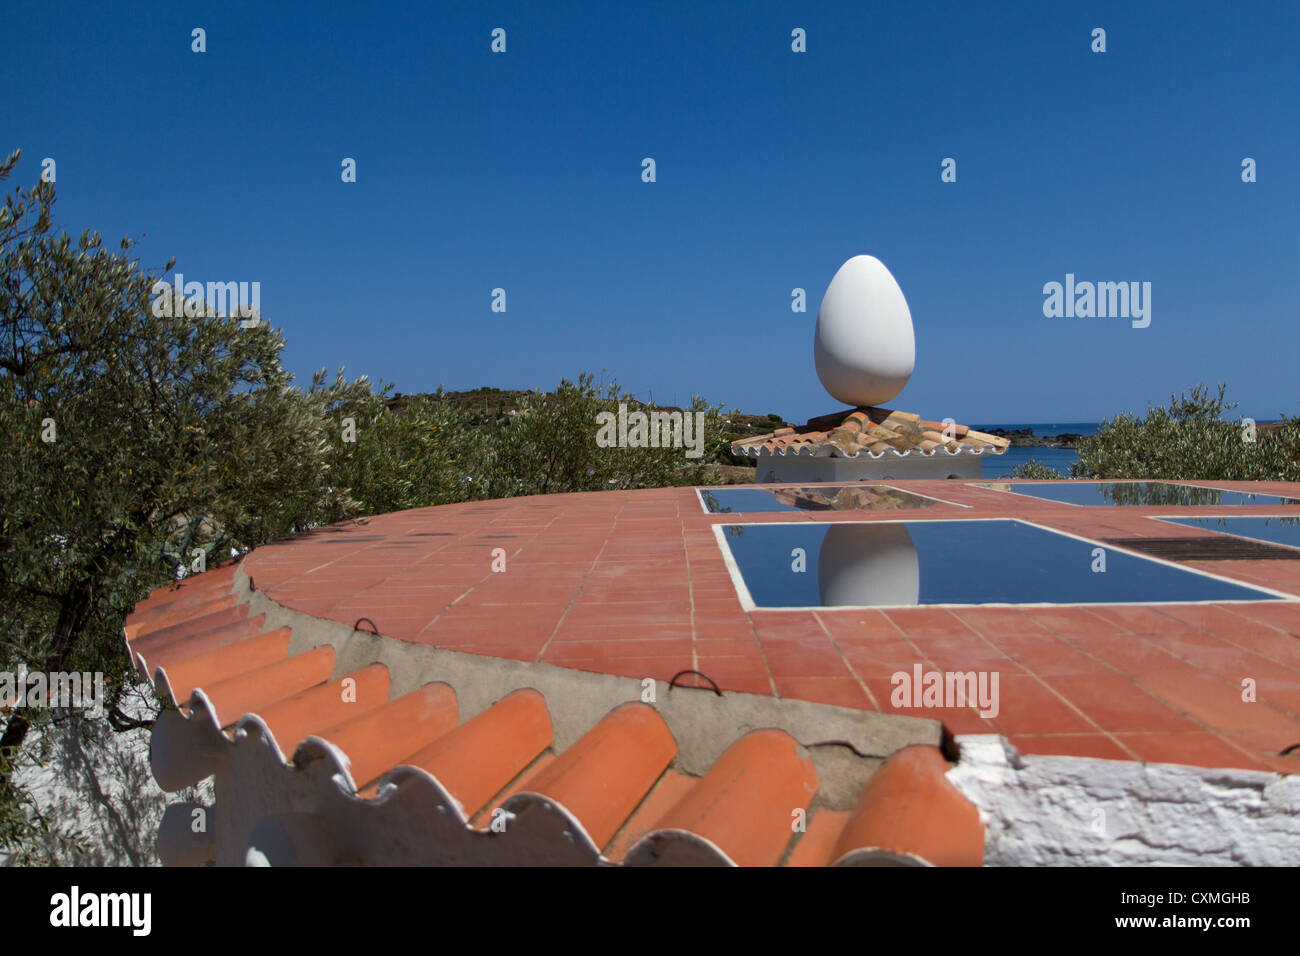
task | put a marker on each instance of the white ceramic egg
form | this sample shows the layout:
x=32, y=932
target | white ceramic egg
x=864, y=346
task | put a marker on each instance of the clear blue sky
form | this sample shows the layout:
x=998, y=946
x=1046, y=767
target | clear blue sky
x=523, y=171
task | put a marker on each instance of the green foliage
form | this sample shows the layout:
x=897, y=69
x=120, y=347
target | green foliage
x=131, y=441
x=1035, y=469
x=168, y=434
x=405, y=458
x=549, y=446
x=1190, y=440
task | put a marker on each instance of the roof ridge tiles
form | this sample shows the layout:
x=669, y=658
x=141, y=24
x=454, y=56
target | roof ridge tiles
x=389, y=735
x=168, y=618
x=182, y=678
x=407, y=765
x=183, y=630
x=909, y=813
x=743, y=805
x=183, y=648
x=874, y=432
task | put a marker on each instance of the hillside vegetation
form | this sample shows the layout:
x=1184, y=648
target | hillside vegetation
x=1190, y=439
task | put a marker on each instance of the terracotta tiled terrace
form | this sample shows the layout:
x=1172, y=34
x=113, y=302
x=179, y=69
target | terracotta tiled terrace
x=381, y=691
x=632, y=583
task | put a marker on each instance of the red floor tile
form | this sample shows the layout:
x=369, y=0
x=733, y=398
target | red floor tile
x=1116, y=704
x=804, y=658
x=1046, y=655
x=1192, y=749
x=1217, y=703
x=1026, y=705
x=958, y=720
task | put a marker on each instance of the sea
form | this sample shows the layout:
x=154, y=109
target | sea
x=1000, y=466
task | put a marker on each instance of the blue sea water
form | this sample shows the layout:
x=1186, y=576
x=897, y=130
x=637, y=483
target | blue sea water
x=1000, y=466
x=1048, y=429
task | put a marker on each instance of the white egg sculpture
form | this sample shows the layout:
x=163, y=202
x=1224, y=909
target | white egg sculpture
x=864, y=346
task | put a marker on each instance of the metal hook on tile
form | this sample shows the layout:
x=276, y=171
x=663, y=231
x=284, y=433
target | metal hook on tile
x=673, y=683
x=357, y=626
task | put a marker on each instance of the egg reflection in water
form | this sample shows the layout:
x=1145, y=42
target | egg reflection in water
x=868, y=564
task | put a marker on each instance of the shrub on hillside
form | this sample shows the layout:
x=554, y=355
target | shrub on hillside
x=1035, y=469
x=1190, y=439
x=549, y=446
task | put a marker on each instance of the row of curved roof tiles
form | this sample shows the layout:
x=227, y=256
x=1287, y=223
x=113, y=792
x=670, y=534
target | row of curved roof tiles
x=616, y=786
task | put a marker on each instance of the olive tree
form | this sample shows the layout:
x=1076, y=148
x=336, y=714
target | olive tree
x=135, y=438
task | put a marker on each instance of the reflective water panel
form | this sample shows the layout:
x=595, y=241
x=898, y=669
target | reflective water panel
x=1272, y=530
x=899, y=563
x=842, y=498
x=1138, y=493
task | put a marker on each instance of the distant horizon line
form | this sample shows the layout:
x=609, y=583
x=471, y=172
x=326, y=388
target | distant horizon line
x=969, y=420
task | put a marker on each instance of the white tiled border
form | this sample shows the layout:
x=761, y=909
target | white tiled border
x=992, y=485
x=747, y=600
x=699, y=495
x=1231, y=515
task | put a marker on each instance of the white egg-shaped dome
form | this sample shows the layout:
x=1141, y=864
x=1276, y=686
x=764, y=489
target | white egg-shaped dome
x=864, y=346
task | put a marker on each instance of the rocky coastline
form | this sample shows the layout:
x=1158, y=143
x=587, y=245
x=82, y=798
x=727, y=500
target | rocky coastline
x=1025, y=438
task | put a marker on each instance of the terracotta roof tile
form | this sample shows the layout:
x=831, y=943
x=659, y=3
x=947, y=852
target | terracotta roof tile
x=179, y=646
x=910, y=813
x=604, y=776
x=745, y=804
x=393, y=732
x=156, y=640
x=179, y=681
x=871, y=431
x=252, y=691
x=614, y=795
x=315, y=710
x=476, y=760
x=670, y=789
x=168, y=615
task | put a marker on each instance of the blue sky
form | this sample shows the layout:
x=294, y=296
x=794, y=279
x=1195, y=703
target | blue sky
x=523, y=171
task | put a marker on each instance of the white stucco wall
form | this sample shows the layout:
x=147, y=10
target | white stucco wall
x=1077, y=811
x=96, y=791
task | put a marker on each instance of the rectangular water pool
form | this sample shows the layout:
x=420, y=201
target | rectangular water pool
x=1284, y=531
x=1149, y=493
x=902, y=563
x=827, y=498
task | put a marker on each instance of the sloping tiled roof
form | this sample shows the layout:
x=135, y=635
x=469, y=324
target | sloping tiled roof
x=873, y=432
x=343, y=773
